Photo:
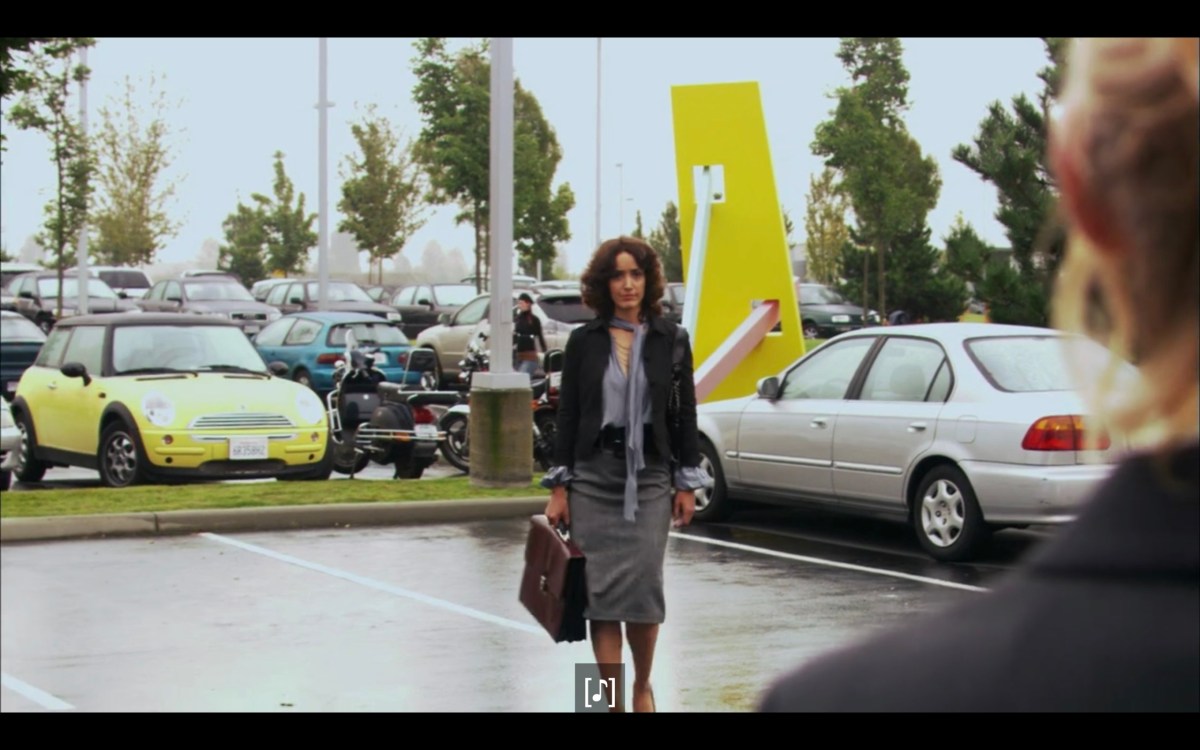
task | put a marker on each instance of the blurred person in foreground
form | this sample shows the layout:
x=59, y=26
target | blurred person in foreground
x=1107, y=616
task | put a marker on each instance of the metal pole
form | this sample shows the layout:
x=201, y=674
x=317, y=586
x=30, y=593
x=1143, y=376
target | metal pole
x=620, y=198
x=501, y=207
x=596, y=242
x=323, y=105
x=81, y=250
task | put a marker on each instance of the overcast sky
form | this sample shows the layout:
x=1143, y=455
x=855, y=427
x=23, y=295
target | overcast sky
x=243, y=99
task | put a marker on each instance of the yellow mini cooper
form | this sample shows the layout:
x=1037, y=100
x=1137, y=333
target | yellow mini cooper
x=164, y=397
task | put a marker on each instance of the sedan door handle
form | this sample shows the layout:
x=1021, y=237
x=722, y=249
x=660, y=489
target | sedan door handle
x=916, y=427
x=819, y=422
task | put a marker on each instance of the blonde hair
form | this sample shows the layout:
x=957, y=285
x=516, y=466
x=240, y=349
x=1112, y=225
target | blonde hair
x=1134, y=109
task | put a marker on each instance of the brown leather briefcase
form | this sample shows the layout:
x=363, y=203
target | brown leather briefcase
x=553, y=588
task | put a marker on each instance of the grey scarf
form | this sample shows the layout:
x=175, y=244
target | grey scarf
x=635, y=459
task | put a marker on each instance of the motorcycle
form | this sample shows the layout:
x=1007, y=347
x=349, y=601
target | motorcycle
x=371, y=419
x=456, y=448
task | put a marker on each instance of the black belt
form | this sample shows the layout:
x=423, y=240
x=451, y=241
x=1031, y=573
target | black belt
x=612, y=440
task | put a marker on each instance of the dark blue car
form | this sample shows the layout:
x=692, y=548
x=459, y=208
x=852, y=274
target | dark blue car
x=310, y=344
x=20, y=342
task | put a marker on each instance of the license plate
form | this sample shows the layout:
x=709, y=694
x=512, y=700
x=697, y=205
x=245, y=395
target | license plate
x=251, y=329
x=426, y=431
x=247, y=448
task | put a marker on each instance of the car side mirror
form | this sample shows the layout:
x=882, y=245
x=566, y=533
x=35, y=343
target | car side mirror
x=174, y=299
x=26, y=294
x=425, y=302
x=768, y=388
x=278, y=369
x=295, y=301
x=444, y=319
x=123, y=294
x=76, y=370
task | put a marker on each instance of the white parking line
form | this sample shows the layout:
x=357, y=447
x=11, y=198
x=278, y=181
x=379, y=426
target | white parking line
x=40, y=697
x=829, y=563
x=379, y=585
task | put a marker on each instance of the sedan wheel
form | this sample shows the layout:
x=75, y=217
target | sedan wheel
x=810, y=330
x=121, y=463
x=712, y=504
x=946, y=515
x=303, y=378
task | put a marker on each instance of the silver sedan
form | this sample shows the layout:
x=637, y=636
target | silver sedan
x=956, y=428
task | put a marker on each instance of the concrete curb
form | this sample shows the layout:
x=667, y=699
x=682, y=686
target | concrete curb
x=275, y=518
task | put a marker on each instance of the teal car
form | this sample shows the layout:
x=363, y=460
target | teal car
x=311, y=343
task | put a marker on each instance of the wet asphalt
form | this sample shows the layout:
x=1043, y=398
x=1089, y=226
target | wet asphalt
x=421, y=614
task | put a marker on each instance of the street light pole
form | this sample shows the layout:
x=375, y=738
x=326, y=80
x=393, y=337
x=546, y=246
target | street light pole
x=597, y=226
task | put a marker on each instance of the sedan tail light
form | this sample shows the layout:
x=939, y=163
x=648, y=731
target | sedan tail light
x=328, y=359
x=1062, y=433
x=422, y=415
x=402, y=359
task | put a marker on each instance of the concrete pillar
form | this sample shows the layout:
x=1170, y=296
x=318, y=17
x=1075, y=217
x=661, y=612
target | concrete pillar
x=501, y=429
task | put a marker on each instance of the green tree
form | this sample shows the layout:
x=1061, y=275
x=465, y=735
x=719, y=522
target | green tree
x=245, y=247
x=131, y=221
x=20, y=69
x=289, y=229
x=1009, y=151
x=43, y=107
x=966, y=254
x=666, y=241
x=825, y=228
x=891, y=186
x=453, y=97
x=381, y=190
x=638, y=231
x=4, y=256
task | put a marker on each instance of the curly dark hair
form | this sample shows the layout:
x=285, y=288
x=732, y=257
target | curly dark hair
x=600, y=271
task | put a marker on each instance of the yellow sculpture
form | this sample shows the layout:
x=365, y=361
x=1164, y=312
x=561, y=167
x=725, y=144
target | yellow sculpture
x=743, y=250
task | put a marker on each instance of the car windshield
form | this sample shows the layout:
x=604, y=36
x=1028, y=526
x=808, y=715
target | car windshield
x=1024, y=364
x=146, y=348
x=566, y=309
x=340, y=291
x=124, y=279
x=816, y=294
x=454, y=295
x=48, y=288
x=20, y=329
x=212, y=290
x=376, y=334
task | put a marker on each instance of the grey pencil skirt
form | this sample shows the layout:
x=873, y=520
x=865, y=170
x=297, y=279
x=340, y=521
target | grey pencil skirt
x=624, y=568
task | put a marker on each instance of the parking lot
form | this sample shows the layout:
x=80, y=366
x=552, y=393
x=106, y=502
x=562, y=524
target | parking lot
x=426, y=617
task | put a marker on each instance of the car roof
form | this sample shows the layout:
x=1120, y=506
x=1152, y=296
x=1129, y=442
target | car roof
x=952, y=332
x=331, y=316
x=10, y=314
x=152, y=319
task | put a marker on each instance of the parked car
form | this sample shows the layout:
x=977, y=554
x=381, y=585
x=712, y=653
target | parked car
x=956, y=428
x=261, y=288
x=824, y=313
x=311, y=343
x=382, y=292
x=20, y=342
x=303, y=295
x=560, y=312
x=10, y=441
x=212, y=296
x=420, y=306
x=37, y=297
x=672, y=302
x=8, y=272
x=128, y=283
x=157, y=397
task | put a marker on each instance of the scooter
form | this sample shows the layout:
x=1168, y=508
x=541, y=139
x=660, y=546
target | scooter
x=456, y=448
x=371, y=419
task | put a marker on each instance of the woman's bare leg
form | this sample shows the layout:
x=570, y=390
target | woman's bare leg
x=607, y=645
x=642, y=639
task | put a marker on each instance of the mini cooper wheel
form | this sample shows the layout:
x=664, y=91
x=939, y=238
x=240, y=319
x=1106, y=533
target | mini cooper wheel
x=946, y=515
x=122, y=461
x=28, y=468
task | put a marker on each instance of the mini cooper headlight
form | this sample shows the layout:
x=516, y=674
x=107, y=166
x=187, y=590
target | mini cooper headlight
x=157, y=408
x=309, y=406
